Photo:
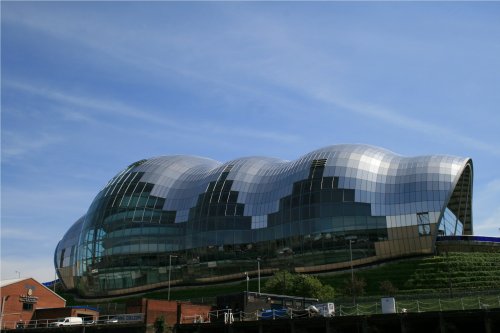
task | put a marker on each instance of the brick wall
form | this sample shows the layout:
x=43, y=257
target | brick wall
x=154, y=309
x=57, y=313
x=13, y=304
x=192, y=311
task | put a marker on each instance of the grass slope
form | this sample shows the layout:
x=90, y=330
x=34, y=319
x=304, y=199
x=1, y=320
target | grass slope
x=460, y=271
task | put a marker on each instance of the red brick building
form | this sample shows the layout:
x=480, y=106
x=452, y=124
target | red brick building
x=50, y=314
x=21, y=297
x=154, y=309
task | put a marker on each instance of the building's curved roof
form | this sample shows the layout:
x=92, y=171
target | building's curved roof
x=367, y=168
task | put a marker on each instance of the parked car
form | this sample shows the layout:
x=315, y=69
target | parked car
x=114, y=320
x=125, y=318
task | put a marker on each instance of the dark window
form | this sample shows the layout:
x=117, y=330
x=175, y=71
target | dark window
x=337, y=196
x=296, y=189
x=27, y=306
x=305, y=199
x=240, y=209
x=233, y=196
x=62, y=258
x=315, y=198
x=304, y=213
x=316, y=186
x=231, y=210
x=326, y=196
x=286, y=203
x=348, y=195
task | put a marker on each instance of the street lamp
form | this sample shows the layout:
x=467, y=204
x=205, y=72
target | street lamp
x=4, y=299
x=169, y=272
x=352, y=273
x=248, y=279
x=258, y=272
x=55, y=279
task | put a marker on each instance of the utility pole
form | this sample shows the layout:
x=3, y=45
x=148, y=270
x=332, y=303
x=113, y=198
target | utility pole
x=4, y=299
x=169, y=272
x=352, y=274
x=248, y=279
x=258, y=272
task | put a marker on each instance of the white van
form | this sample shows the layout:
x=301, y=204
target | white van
x=68, y=321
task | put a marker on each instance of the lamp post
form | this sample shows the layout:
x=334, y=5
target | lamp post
x=258, y=272
x=248, y=279
x=352, y=271
x=352, y=274
x=169, y=272
x=4, y=299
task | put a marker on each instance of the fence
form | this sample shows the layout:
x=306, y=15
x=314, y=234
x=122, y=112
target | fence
x=103, y=320
x=438, y=304
x=464, y=303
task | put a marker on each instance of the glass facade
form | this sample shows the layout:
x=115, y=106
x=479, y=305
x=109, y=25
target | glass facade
x=212, y=221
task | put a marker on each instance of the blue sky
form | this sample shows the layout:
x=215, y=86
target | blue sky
x=89, y=87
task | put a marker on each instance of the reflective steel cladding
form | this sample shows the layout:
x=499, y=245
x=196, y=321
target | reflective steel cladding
x=194, y=220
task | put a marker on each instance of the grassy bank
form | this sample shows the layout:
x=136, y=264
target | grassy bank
x=451, y=273
x=461, y=272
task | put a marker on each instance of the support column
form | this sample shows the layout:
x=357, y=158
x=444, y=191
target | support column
x=327, y=325
x=442, y=323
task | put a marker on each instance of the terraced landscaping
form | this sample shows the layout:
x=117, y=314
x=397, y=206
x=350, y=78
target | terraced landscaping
x=429, y=280
x=459, y=272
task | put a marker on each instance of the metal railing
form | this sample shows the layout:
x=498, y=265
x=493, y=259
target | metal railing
x=439, y=304
x=59, y=322
x=468, y=303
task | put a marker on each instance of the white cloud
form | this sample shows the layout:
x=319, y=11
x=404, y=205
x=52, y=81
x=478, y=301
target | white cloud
x=439, y=132
x=15, y=144
x=266, y=57
x=120, y=110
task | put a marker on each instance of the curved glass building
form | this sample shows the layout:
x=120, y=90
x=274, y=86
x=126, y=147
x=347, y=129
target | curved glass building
x=192, y=220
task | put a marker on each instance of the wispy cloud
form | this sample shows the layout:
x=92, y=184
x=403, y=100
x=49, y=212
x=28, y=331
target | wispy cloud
x=428, y=127
x=15, y=144
x=277, y=53
x=72, y=102
x=88, y=103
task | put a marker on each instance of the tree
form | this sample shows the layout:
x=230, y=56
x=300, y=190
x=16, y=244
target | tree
x=159, y=324
x=286, y=283
x=354, y=287
x=388, y=288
